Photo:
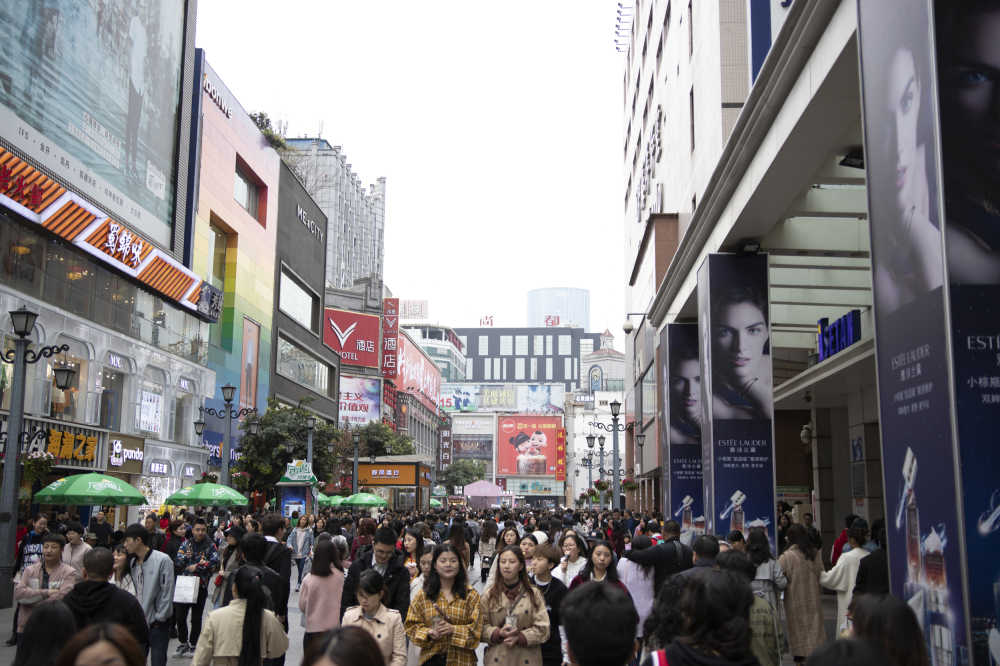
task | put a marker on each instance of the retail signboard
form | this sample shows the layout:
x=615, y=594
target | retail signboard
x=387, y=474
x=521, y=398
x=526, y=445
x=445, y=437
x=561, y=454
x=353, y=336
x=125, y=453
x=390, y=338
x=92, y=95
x=409, y=309
x=737, y=439
x=681, y=417
x=36, y=197
x=360, y=400
x=472, y=447
x=932, y=185
x=418, y=374
x=534, y=486
x=472, y=424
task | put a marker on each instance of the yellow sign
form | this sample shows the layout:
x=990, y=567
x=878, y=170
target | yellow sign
x=72, y=446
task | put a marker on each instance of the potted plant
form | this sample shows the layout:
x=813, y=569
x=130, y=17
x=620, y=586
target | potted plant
x=209, y=477
x=628, y=483
x=38, y=466
x=601, y=486
x=240, y=480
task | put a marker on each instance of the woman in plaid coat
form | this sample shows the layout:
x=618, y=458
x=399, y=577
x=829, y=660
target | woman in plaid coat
x=444, y=618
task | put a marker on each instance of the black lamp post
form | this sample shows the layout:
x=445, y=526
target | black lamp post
x=615, y=471
x=356, y=437
x=23, y=321
x=228, y=393
x=310, y=426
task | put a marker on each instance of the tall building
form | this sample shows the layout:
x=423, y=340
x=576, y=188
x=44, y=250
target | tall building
x=355, y=246
x=559, y=306
x=526, y=355
x=443, y=346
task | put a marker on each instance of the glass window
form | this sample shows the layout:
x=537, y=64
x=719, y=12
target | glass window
x=586, y=346
x=297, y=303
x=484, y=345
x=521, y=345
x=220, y=243
x=565, y=345
x=567, y=369
x=149, y=410
x=112, y=398
x=548, y=345
x=245, y=192
x=184, y=412
x=302, y=367
x=497, y=375
x=468, y=368
x=548, y=368
x=506, y=345
x=539, y=345
x=70, y=404
x=648, y=396
x=519, y=368
x=487, y=368
x=534, y=368
x=464, y=339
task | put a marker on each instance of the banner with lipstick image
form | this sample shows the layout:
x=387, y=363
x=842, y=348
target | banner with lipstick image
x=737, y=435
x=682, y=422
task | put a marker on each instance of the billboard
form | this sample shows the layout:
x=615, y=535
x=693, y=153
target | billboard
x=685, y=413
x=360, y=400
x=248, y=366
x=91, y=92
x=390, y=337
x=413, y=310
x=522, y=398
x=526, y=445
x=737, y=441
x=418, y=374
x=353, y=335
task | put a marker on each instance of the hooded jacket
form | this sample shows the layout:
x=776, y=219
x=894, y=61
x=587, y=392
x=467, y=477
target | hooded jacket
x=94, y=601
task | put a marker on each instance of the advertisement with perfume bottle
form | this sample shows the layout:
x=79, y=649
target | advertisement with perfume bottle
x=681, y=372
x=737, y=435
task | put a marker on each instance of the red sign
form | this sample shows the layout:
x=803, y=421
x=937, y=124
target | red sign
x=486, y=320
x=390, y=337
x=527, y=445
x=561, y=454
x=551, y=320
x=353, y=335
x=419, y=375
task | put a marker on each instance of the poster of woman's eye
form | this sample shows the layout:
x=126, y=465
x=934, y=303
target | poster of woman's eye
x=736, y=400
x=526, y=445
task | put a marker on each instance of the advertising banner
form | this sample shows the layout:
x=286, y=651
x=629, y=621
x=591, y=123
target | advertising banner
x=685, y=413
x=248, y=369
x=92, y=94
x=409, y=309
x=737, y=441
x=469, y=424
x=445, y=438
x=529, y=486
x=521, y=398
x=418, y=374
x=353, y=335
x=472, y=447
x=390, y=337
x=527, y=445
x=561, y=454
x=360, y=400
x=938, y=450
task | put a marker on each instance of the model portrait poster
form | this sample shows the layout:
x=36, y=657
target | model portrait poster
x=737, y=394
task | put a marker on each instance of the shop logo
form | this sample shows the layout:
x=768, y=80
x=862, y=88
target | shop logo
x=102, y=485
x=216, y=96
x=119, y=454
x=342, y=335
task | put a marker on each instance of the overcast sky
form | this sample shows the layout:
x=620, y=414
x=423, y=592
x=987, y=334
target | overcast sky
x=497, y=124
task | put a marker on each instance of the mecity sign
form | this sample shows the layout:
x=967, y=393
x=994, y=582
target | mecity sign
x=304, y=218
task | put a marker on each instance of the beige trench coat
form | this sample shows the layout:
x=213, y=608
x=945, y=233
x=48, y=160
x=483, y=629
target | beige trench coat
x=533, y=622
x=803, y=610
x=222, y=637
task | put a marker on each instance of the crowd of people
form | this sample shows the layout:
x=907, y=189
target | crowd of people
x=451, y=587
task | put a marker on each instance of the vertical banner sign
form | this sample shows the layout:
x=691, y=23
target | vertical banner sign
x=737, y=440
x=561, y=454
x=684, y=414
x=445, y=444
x=390, y=337
x=940, y=490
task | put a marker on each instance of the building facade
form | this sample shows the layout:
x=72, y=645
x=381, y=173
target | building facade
x=303, y=370
x=442, y=344
x=559, y=306
x=355, y=246
x=235, y=240
x=526, y=355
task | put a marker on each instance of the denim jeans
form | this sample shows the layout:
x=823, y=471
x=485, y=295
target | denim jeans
x=159, y=637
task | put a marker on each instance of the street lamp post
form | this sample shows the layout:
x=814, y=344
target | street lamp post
x=23, y=321
x=590, y=469
x=228, y=393
x=310, y=425
x=616, y=470
x=640, y=439
x=356, y=436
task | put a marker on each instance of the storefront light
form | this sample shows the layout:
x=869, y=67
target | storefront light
x=23, y=321
x=199, y=427
x=63, y=377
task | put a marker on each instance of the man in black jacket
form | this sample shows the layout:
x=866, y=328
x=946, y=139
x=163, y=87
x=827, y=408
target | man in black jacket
x=278, y=556
x=383, y=558
x=873, y=571
x=668, y=557
x=94, y=600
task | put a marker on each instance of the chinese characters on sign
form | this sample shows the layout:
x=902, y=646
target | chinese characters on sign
x=72, y=446
x=561, y=454
x=486, y=320
x=122, y=245
x=390, y=337
x=14, y=187
x=353, y=336
x=445, y=448
x=551, y=320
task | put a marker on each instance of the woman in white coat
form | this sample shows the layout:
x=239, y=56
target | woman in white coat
x=842, y=576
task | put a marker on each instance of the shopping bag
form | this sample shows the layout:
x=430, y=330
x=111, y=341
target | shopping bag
x=186, y=589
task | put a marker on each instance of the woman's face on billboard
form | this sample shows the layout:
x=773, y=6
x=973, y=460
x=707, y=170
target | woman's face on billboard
x=740, y=337
x=685, y=388
x=904, y=107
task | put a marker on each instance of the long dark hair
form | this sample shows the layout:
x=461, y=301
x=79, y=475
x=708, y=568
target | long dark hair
x=326, y=558
x=612, y=573
x=758, y=547
x=716, y=608
x=344, y=645
x=797, y=536
x=890, y=624
x=250, y=588
x=642, y=542
x=500, y=541
x=432, y=584
x=496, y=590
x=456, y=535
x=418, y=536
x=115, y=634
x=49, y=628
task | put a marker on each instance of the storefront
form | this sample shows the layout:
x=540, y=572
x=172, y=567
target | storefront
x=536, y=491
x=124, y=461
x=402, y=481
x=166, y=468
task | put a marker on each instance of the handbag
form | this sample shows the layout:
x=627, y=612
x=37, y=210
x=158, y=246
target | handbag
x=186, y=589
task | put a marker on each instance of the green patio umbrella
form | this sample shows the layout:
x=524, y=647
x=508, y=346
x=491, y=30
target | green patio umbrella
x=330, y=500
x=436, y=503
x=207, y=494
x=93, y=488
x=364, y=499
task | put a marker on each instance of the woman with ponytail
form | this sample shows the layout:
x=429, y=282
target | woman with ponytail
x=243, y=633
